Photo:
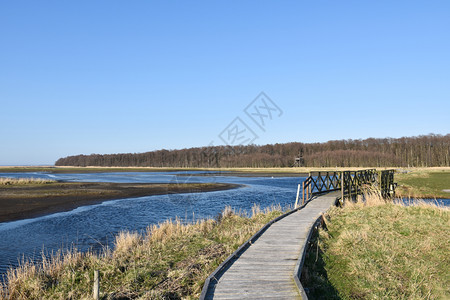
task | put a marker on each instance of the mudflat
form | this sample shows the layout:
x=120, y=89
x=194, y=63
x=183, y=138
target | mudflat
x=33, y=200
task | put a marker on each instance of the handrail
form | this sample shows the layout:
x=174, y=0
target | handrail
x=351, y=183
x=355, y=181
x=387, y=184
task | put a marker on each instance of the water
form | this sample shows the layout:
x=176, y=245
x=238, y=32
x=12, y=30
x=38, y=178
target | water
x=94, y=226
x=440, y=202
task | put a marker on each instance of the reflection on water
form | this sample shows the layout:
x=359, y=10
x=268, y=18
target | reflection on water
x=94, y=226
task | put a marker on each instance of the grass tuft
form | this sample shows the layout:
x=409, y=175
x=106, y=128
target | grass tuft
x=23, y=181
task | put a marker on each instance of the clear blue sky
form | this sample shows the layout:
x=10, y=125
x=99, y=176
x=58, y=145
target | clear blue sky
x=82, y=77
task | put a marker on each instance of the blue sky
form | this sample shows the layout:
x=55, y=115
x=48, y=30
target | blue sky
x=82, y=77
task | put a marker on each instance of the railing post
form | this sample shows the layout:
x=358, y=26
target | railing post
x=96, y=290
x=319, y=181
x=379, y=180
x=298, y=192
x=303, y=193
x=308, y=188
x=310, y=192
x=342, y=186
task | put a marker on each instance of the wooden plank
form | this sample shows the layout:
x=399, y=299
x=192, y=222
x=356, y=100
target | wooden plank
x=262, y=296
x=265, y=269
x=257, y=275
x=263, y=262
x=250, y=294
x=244, y=292
x=256, y=284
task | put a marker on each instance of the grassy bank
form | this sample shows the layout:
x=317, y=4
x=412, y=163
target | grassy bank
x=424, y=183
x=379, y=250
x=169, y=261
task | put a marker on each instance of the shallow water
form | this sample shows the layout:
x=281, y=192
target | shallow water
x=95, y=226
x=437, y=201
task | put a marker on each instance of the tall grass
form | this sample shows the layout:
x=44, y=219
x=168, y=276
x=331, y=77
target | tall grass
x=373, y=249
x=170, y=260
x=22, y=181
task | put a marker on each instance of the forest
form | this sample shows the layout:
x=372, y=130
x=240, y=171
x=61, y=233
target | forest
x=430, y=150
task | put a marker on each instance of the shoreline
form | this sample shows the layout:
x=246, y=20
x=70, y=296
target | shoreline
x=238, y=172
x=421, y=196
x=31, y=201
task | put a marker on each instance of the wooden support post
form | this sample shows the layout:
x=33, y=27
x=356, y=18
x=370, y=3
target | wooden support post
x=319, y=180
x=96, y=285
x=298, y=192
x=303, y=193
x=307, y=193
x=380, y=185
x=342, y=187
x=309, y=187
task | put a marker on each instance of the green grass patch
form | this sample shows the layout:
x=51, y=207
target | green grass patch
x=424, y=183
x=381, y=251
x=169, y=261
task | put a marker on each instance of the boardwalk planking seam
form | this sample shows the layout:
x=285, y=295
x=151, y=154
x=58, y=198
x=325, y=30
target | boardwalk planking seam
x=251, y=268
x=241, y=249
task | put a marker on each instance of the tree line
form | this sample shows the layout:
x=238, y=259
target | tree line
x=419, y=151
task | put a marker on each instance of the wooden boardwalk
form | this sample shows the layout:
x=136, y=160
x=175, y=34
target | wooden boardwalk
x=266, y=269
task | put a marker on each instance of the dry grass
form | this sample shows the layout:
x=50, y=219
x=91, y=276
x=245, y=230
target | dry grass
x=23, y=181
x=373, y=249
x=169, y=261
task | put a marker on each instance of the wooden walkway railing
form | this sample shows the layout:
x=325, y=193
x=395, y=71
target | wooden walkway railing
x=350, y=183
